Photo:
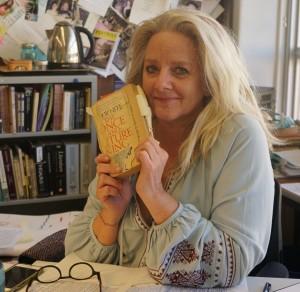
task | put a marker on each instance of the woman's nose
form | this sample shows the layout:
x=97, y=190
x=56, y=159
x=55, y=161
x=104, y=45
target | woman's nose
x=163, y=80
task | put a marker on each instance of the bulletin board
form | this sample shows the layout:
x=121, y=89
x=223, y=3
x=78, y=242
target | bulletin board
x=111, y=23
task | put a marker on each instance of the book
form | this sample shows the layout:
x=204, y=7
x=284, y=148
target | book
x=123, y=121
x=28, y=104
x=8, y=167
x=86, y=167
x=20, y=101
x=12, y=108
x=4, y=109
x=66, y=110
x=3, y=181
x=49, y=110
x=58, y=106
x=55, y=153
x=43, y=106
x=41, y=170
x=72, y=168
x=35, y=108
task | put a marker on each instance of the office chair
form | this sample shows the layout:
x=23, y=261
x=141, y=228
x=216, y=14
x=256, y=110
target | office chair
x=272, y=266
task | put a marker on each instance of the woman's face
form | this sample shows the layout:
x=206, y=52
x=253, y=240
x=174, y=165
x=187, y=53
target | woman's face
x=172, y=78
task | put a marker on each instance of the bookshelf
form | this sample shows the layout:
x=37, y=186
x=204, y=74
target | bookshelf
x=81, y=81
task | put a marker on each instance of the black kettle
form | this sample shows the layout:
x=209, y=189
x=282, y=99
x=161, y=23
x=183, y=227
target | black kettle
x=65, y=49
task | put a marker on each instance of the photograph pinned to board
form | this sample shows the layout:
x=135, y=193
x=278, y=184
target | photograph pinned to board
x=192, y=4
x=62, y=9
x=31, y=10
x=123, y=7
x=119, y=59
x=106, y=37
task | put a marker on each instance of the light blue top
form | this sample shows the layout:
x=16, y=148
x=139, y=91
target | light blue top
x=219, y=232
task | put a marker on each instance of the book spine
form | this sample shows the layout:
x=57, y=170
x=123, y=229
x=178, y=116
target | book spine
x=3, y=180
x=35, y=106
x=58, y=106
x=60, y=169
x=28, y=93
x=86, y=168
x=72, y=168
x=43, y=107
x=66, y=111
x=12, y=106
x=9, y=173
x=41, y=171
x=50, y=168
x=4, y=109
x=81, y=115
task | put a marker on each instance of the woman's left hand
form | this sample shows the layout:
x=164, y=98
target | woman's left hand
x=153, y=160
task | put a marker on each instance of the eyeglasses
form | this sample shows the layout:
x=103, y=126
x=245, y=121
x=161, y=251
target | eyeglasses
x=79, y=271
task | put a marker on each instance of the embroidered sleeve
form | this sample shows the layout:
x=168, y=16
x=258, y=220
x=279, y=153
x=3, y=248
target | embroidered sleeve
x=219, y=250
x=192, y=262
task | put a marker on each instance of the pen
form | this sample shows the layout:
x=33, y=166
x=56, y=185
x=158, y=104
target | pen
x=267, y=287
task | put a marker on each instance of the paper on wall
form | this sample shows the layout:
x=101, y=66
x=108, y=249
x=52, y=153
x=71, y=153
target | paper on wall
x=145, y=9
x=95, y=6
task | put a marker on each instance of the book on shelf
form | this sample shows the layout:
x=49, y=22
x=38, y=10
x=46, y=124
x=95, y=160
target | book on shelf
x=3, y=181
x=87, y=119
x=79, y=109
x=41, y=170
x=72, y=168
x=17, y=174
x=28, y=106
x=123, y=120
x=68, y=96
x=35, y=108
x=86, y=167
x=8, y=167
x=55, y=153
x=43, y=106
x=12, y=108
x=20, y=105
x=58, y=106
x=4, y=109
x=49, y=110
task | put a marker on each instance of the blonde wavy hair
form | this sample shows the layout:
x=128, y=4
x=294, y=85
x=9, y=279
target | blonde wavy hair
x=225, y=76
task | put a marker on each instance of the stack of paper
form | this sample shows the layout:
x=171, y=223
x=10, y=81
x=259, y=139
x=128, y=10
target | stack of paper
x=289, y=162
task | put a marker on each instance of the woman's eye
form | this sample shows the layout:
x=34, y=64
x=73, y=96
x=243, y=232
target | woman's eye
x=180, y=71
x=150, y=69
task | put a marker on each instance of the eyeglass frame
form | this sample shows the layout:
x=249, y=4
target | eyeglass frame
x=35, y=278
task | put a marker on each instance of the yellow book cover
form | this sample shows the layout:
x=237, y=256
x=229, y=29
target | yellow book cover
x=123, y=121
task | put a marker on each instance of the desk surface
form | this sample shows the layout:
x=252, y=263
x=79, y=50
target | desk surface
x=255, y=284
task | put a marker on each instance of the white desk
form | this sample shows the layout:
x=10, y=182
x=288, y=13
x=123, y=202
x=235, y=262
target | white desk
x=256, y=284
x=121, y=276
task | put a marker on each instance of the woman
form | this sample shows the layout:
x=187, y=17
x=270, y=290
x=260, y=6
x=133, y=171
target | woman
x=199, y=212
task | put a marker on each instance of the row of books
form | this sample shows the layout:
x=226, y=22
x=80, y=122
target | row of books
x=43, y=170
x=32, y=108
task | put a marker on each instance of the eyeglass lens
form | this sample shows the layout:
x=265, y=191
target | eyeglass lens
x=48, y=274
x=81, y=271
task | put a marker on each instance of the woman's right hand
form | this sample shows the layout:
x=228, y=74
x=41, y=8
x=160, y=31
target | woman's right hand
x=113, y=193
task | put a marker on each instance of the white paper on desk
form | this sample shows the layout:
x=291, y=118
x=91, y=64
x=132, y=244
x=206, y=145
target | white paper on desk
x=33, y=229
x=291, y=156
x=9, y=236
x=292, y=288
x=121, y=279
